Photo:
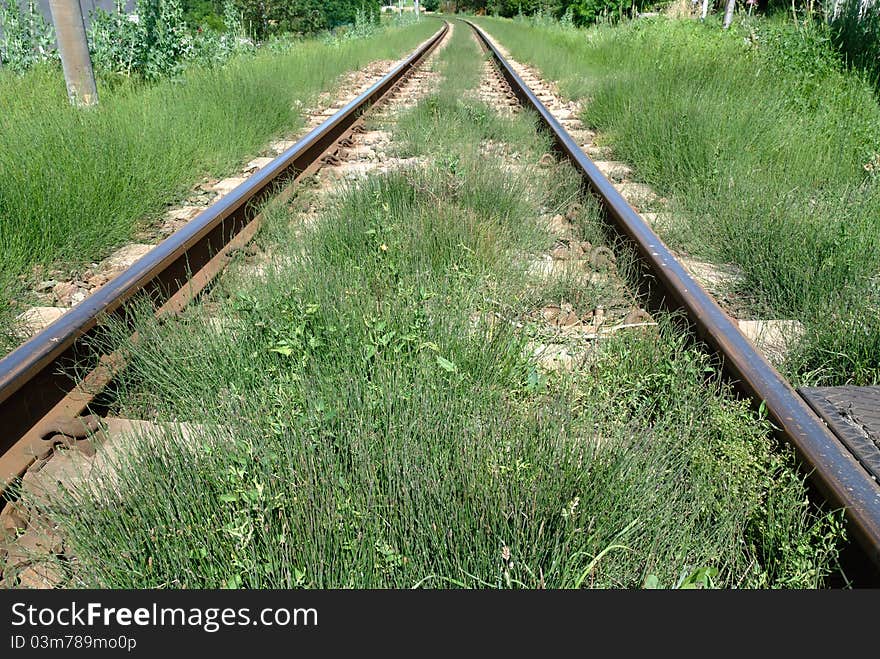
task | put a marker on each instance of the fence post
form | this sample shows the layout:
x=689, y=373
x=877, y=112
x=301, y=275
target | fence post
x=74, y=50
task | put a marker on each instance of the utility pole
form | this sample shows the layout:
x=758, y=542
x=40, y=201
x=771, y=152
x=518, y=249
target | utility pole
x=74, y=50
x=728, y=14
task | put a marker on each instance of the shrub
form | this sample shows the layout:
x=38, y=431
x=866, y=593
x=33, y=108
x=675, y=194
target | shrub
x=155, y=45
x=25, y=38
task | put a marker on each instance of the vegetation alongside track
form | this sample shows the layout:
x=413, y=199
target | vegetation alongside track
x=767, y=149
x=375, y=426
x=75, y=184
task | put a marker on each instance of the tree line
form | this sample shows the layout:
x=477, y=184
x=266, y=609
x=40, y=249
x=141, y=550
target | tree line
x=579, y=12
x=586, y=12
x=262, y=18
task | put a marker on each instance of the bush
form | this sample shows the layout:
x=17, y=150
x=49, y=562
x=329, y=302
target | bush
x=166, y=35
x=585, y=12
x=155, y=45
x=25, y=38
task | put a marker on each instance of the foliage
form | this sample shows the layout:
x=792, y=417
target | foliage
x=166, y=41
x=161, y=43
x=232, y=20
x=157, y=44
x=166, y=35
x=589, y=11
x=577, y=12
x=206, y=14
x=115, y=41
x=263, y=18
x=25, y=37
x=365, y=24
x=266, y=17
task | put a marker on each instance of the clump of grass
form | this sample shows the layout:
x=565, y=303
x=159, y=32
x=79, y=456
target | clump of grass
x=74, y=184
x=855, y=30
x=362, y=430
x=766, y=147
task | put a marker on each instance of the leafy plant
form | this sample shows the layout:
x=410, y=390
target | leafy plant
x=698, y=578
x=155, y=45
x=115, y=41
x=25, y=38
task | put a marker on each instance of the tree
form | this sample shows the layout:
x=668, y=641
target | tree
x=204, y=13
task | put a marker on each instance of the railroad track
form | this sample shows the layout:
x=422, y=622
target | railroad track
x=42, y=406
x=37, y=397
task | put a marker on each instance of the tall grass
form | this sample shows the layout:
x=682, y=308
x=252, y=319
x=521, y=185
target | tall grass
x=767, y=148
x=74, y=183
x=856, y=33
x=361, y=429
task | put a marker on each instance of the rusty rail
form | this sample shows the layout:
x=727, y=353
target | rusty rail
x=36, y=390
x=838, y=476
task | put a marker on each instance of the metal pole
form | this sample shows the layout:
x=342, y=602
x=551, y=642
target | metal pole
x=74, y=50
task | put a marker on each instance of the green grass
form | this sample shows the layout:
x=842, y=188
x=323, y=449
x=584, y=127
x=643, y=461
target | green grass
x=767, y=149
x=366, y=431
x=856, y=34
x=74, y=184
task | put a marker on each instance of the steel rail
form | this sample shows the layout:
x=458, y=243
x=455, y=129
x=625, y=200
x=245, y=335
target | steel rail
x=36, y=389
x=838, y=476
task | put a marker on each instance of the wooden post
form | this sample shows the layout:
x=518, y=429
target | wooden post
x=74, y=51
